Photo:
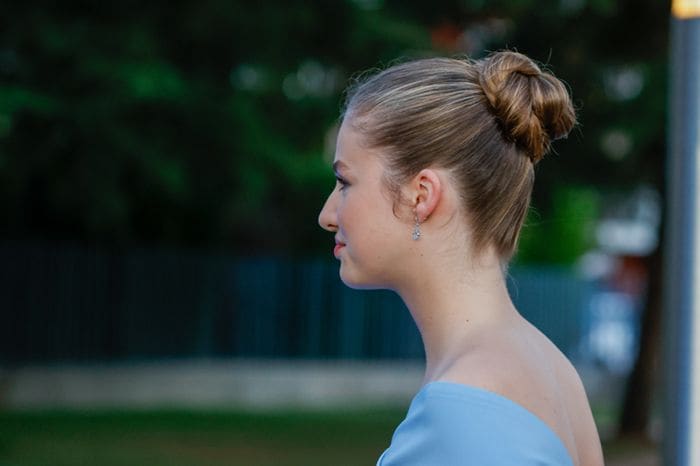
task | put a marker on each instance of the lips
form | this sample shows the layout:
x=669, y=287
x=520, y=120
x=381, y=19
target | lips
x=338, y=246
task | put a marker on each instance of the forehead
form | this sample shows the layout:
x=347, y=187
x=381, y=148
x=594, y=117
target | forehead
x=351, y=148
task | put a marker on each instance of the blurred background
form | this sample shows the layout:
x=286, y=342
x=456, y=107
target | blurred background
x=166, y=295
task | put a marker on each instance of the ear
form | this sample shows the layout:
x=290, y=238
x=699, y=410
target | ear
x=426, y=190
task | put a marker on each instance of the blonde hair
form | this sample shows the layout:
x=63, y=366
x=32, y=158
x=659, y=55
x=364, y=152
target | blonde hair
x=488, y=121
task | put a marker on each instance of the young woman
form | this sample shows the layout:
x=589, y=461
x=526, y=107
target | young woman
x=435, y=166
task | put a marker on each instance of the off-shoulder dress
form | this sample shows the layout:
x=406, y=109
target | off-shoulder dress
x=451, y=424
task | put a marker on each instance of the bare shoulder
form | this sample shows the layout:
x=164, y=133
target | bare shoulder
x=576, y=407
x=522, y=364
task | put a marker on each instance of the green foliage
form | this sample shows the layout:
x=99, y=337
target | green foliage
x=16, y=98
x=206, y=123
x=566, y=233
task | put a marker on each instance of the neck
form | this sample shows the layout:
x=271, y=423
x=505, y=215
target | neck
x=451, y=301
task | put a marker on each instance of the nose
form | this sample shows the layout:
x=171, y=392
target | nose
x=327, y=218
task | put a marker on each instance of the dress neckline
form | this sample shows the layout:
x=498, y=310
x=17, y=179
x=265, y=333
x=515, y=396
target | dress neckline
x=456, y=388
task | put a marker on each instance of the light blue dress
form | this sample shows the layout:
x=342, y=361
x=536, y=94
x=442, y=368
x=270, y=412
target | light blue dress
x=450, y=424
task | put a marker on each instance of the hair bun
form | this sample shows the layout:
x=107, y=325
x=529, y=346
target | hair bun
x=532, y=106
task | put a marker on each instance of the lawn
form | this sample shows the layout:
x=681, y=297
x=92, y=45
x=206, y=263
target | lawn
x=203, y=438
x=189, y=438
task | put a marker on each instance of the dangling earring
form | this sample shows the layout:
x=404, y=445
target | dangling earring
x=416, y=229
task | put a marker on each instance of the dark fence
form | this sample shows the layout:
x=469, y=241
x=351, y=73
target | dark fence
x=75, y=303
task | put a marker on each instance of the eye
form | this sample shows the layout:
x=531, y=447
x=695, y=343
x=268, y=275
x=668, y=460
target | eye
x=342, y=183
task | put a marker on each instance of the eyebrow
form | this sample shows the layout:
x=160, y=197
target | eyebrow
x=338, y=165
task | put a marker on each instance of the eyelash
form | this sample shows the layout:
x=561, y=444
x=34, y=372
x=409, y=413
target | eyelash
x=342, y=182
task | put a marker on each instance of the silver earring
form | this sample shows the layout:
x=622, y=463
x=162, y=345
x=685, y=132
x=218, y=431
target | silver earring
x=416, y=230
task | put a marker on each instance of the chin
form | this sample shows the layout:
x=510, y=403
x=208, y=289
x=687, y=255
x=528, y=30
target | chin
x=357, y=282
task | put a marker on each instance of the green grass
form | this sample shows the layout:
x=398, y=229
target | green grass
x=209, y=438
x=182, y=438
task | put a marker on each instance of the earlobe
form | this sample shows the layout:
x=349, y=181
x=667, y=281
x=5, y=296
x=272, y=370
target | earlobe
x=428, y=193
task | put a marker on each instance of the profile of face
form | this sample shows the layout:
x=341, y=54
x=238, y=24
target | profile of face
x=464, y=138
x=369, y=235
